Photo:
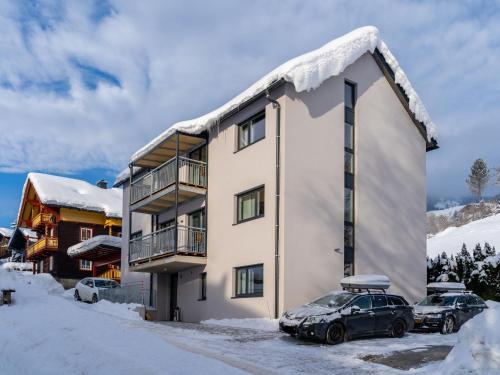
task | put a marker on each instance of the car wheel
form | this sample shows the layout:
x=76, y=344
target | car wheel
x=77, y=295
x=335, y=334
x=94, y=298
x=398, y=329
x=448, y=325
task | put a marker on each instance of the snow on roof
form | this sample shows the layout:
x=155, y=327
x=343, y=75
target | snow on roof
x=124, y=175
x=446, y=286
x=94, y=242
x=28, y=232
x=6, y=232
x=70, y=192
x=366, y=281
x=307, y=72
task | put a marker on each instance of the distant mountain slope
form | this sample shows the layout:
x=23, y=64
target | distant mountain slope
x=451, y=239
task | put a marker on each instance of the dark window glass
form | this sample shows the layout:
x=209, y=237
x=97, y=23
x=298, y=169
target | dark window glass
x=348, y=205
x=250, y=204
x=396, y=301
x=348, y=162
x=203, y=286
x=349, y=95
x=363, y=302
x=348, y=236
x=135, y=235
x=251, y=131
x=348, y=136
x=249, y=281
x=349, y=180
x=199, y=154
x=379, y=301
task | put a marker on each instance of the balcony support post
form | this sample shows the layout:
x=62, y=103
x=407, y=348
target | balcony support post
x=176, y=233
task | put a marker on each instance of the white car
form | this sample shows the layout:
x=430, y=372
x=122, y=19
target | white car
x=88, y=288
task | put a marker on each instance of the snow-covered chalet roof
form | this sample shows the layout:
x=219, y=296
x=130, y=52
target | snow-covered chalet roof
x=69, y=192
x=6, y=232
x=94, y=242
x=307, y=72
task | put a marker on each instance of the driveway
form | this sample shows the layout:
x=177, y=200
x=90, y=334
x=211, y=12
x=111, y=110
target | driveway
x=263, y=352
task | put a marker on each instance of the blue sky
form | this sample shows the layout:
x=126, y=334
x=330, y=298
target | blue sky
x=83, y=84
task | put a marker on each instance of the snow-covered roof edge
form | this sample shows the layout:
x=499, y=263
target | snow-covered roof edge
x=307, y=72
x=92, y=243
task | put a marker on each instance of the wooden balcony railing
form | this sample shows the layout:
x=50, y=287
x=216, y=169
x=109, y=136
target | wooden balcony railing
x=42, y=218
x=112, y=272
x=46, y=243
x=191, y=172
x=190, y=241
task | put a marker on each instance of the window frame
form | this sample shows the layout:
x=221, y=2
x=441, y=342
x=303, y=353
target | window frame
x=249, y=122
x=85, y=229
x=80, y=261
x=246, y=268
x=203, y=287
x=257, y=204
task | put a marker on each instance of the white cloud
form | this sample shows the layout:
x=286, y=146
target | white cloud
x=179, y=60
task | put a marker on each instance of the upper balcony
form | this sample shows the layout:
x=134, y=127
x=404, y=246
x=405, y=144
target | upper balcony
x=42, y=219
x=42, y=248
x=173, y=174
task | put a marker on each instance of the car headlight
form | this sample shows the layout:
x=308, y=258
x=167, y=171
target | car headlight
x=314, y=319
x=434, y=315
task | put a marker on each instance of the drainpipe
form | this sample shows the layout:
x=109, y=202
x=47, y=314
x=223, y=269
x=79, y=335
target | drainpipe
x=276, y=106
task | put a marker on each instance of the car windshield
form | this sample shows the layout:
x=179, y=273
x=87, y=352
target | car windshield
x=438, y=301
x=334, y=300
x=105, y=284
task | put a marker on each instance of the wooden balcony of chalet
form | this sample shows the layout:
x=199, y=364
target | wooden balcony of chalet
x=42, y=219
x=43, y=247
x=170, y=177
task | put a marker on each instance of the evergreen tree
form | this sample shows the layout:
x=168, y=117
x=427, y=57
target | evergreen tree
x=488, y=250
x=478, y=178
x=478, y=254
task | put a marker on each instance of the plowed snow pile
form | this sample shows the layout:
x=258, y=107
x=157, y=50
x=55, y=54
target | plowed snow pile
x=478, y=347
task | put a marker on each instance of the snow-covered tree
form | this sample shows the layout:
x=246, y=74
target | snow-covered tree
x=478, y=178
x=478, y=253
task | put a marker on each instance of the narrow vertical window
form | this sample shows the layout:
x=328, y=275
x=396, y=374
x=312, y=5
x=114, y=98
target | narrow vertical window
x=349, y=160
x=203, y=286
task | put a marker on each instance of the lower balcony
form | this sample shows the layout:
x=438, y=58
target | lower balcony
x=42, y=248
x=160, y=252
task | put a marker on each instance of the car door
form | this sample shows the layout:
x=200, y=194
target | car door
x=463, y=310
x=384, y=314
x=89, y=285
x=363, y=321
x=474, y=304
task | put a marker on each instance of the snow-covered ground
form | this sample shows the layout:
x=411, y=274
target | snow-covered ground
x=451, y=239
x=450, y=211
x=46, y=332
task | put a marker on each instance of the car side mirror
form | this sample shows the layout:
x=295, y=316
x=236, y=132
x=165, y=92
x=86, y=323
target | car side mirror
x=355, y=310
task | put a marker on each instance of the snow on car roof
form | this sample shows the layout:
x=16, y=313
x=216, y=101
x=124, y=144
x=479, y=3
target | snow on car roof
x=366, y=282
x=70, y=192
x=307, y=72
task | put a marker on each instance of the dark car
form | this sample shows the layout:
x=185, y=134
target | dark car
x=342, y=315
x=447, y=312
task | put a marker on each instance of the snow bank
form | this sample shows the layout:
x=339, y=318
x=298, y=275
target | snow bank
x=478, y=347
x=119, y=310
x=306, y=73
x=17, y=266
x=451, y=239
x=69, y=192
x=262, y=324
x=94, y=242
x=47, y=334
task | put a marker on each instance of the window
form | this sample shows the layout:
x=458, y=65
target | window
x=203, y=286
x=349, y=160
x=135, y=235
x=363, y=302
x=250, y=205
x=85, y=234
x=199, y=154
x=85, y=265
x=379, y=301
x=396, y=301
x=249, y=281
x=251, y=130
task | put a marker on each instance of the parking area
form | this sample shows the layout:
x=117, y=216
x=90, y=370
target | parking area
x=263, y=352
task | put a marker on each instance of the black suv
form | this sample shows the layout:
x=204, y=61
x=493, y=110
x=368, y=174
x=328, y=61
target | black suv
x=446, y=312
x=342, y=315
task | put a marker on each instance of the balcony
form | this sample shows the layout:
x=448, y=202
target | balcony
x=42, y=248
x=111, y=272
x=42, y=219
x=156, y=190
x=160, y=252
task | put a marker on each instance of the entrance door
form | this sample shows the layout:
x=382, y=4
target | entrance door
x=197, y=219
x=173, y=294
